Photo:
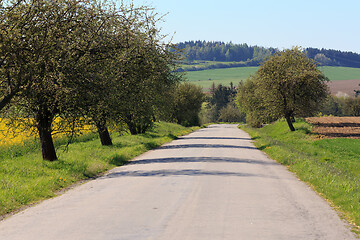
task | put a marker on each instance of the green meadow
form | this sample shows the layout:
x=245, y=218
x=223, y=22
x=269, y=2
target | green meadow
x=205, y=78
x=224, y=76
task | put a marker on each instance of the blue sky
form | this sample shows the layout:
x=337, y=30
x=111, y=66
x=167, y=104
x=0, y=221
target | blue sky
x=270, y=23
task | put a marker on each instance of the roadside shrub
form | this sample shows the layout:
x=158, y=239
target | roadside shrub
x=208, y=114
x=231, y=113
x=332, y=106
x=352, y=107
x=188, y=99
x=253, y=120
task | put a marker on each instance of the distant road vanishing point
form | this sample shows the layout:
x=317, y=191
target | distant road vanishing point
x=210, y=185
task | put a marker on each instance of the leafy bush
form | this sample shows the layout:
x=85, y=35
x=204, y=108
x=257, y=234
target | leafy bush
x=188, y=99
x=352, y=107
x=231, y=113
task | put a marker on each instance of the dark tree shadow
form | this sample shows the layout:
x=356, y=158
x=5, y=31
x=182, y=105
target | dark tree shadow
x=204, y=146
x=183, y=172
x=216, y=138
x=201, y=160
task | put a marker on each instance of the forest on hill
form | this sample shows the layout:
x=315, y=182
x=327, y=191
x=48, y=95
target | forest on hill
x=253, y=55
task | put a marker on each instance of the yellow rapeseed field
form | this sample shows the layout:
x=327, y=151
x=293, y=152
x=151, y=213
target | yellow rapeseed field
x=13, y=135
x=17, y=134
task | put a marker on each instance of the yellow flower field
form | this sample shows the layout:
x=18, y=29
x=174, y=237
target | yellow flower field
x=13, y=135
x=17, y=133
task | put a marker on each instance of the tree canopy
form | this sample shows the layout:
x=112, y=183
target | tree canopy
x=287, y=85
x=75, y=59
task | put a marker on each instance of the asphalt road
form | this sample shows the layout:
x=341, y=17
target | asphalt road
x=211, y=184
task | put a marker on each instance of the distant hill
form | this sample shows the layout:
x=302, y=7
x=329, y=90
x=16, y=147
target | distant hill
x=244, y=55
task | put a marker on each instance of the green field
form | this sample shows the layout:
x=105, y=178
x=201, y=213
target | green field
x=341, y=73
x=226, y=75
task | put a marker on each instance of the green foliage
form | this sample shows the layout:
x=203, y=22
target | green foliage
x=207, y=113
x=332, y=106
x=253, y=55
x=188, y=99
x=220, y=105
x=230, y=113
x=351, y=107
x=74, y=59
x=287, y=85
x=330, y=166
x=248, y=101
x=26, y=178
x=220, y=51
x=220, y=97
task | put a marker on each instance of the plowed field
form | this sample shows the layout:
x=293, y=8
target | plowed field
x=344, y=87
x=334, y=127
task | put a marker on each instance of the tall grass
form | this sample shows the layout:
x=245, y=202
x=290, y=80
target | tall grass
x=330, y=166
x=25, y=178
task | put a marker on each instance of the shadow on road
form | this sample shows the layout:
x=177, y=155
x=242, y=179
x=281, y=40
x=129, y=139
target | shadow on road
x=203, y=146
x=189, y=172
x=182, y=172
x=216, y=138
x=201, y=160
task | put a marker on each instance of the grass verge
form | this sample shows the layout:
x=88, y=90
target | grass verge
x=25, y=178
x=330, y=166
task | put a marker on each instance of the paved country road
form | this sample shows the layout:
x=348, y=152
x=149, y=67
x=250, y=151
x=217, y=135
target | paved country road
x=211, y=184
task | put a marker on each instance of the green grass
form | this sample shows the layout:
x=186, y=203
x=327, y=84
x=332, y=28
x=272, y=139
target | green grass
x=198, y=65
x=341, y=73
x=25, y=178
x=330, y=166
x=224, y=76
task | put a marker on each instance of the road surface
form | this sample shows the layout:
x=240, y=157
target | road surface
x=211, y=184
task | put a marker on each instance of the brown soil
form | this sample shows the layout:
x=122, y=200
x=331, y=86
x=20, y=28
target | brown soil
x=334, y=127
x=344, y=87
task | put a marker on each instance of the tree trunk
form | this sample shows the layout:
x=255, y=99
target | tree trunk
x=6, y=100
x=104, y=135
x=47, y=144
x=290, y=123
x=132, y=127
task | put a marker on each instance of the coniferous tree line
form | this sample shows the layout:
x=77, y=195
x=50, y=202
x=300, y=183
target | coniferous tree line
x=254, y=55
x=220, y=51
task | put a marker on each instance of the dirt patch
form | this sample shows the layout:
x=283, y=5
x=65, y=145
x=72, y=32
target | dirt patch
x=334, y=127
x=343, y=88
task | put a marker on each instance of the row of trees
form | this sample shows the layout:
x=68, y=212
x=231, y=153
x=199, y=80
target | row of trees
x=220, y=51
x=254, y=55
x=341, y=106
x=329, y=57
x=83, y=59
